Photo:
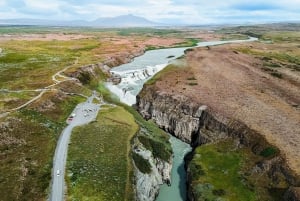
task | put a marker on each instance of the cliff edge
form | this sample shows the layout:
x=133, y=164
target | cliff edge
x=218, y=92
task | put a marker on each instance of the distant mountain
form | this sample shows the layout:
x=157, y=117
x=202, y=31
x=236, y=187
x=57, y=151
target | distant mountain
x=119, y=21
x=124, y=21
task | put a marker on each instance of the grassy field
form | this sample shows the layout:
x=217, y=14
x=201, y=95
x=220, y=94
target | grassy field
x=152, y=137
x=29, y=136
x=98, y=164
x=278, y=48
x=27, y=144
x=30, y=65
x=222, y=171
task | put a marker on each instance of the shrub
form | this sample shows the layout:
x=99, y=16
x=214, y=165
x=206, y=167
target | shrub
x=191, y=78
x=84, y=77
x=273, y=65
x=268, y=152
x=142, y=164
x=276, y=74
x=219, y=192
x=192, y=83
x=196, y=170
x=158, y=148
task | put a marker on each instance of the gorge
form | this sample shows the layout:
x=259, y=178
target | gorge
x=212, y=99
x=188, y=120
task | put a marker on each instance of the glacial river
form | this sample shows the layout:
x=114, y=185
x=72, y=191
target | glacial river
x=134, y=75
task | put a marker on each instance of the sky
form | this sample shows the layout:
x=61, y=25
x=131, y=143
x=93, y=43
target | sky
x=162, y=11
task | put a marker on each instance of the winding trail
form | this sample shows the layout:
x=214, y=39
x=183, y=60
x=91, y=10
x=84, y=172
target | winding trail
x=42, y=90
x=84, y=113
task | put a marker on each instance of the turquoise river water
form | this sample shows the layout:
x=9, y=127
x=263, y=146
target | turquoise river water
x=134, y=75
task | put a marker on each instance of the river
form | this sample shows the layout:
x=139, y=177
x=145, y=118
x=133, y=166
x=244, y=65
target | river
x=134, y=75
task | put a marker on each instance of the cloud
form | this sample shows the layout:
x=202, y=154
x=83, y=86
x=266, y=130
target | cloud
x=164, y=11
x=255, y=7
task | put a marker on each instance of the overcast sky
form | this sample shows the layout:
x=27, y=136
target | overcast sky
x=164, y=11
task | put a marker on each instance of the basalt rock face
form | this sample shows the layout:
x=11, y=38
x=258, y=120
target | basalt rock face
x=197, y=124
x=147, y=184
x=192, y=122
x=173, y=114
x=90, y=72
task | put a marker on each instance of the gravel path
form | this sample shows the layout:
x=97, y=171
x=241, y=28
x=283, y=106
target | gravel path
x=83, y=114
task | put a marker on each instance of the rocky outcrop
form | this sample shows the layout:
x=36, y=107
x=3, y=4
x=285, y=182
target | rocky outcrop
x=147, y=185
x=196, y=124
x=192, y=122
x=87, y=73
x=123, y=57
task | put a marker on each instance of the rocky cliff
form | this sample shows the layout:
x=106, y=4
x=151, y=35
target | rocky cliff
x=147, y=184
x=93, y=72
x=197, y=124
x=152, y=168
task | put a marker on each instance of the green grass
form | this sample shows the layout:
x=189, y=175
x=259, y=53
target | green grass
x=29, y=142
x=26, y=161
x=98, y=165
x=234, y=37
x=157, y=147
x=190, y=42
x=157, y=139
x=148, y=32
x=282, y=36
x=10, y=100
x=44, y=58
x=160, y=74
x=282, y=52
x=28, y=147
x=221, y=171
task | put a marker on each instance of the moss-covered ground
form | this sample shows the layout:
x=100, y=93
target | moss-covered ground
x=222, y=171
x=99, y=167
x=28, y=136
x=27, y=145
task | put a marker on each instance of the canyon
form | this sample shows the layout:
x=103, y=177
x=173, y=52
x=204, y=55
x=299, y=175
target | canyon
x=244, y=97
x=220, y=93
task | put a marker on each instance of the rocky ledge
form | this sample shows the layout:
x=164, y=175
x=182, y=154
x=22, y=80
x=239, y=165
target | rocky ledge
x=147, y=184
x=197, y=124
x=93, y=72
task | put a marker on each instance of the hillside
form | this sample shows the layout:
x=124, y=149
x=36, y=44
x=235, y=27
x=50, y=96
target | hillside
x=238, y=105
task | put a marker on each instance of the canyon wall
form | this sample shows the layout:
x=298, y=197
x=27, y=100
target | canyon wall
x=147, y=184
x=197, y=124
x=93, y=72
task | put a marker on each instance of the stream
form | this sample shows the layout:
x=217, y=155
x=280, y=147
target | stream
x=134, y=75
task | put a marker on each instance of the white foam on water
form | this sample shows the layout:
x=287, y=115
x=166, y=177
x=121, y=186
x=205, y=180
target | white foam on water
x=132, y=82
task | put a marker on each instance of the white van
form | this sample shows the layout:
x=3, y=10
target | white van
x=58, y=173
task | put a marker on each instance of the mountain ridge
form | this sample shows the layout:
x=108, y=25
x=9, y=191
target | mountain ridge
x=118, y=21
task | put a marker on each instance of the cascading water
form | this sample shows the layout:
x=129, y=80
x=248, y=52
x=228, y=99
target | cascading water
x=133, y=76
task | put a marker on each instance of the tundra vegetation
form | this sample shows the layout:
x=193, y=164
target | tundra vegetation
x=100, y=151
x=99, y=166
x=222, y=170
x=29, y=58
